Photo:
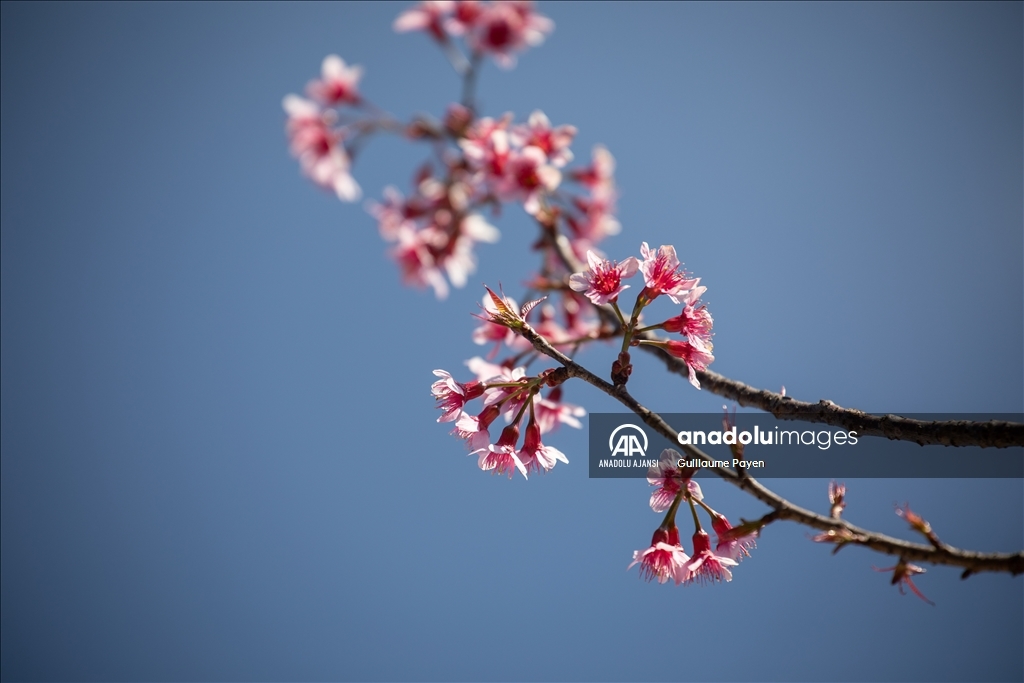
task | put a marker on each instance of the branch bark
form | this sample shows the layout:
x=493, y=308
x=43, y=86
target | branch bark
x=844, y=533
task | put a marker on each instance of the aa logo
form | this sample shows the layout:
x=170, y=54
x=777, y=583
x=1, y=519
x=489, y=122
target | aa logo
x=627, y=443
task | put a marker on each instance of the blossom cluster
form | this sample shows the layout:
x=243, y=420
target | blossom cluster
x=477, y=165
x=665, y=559
x=511, y=394
x=499, y=29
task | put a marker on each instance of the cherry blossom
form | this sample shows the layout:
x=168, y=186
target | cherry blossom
x=669, y=478
x=599, y=175
x=706, y=566
x=694, y=353
x=552, y=412
x=602, y=281
x=318, y=148
x=729, y=544
x=390, y=214
x=501, y=457
x=465, y=16
x=693, y=322
x=475, y=429
x=483, y=369
x=415, y=255
x=534, y=455
x=427, y=16
x=338, y=84
x=594, y=223
x=664, y=559
x=662, y=274
x=451, y=396
x=506, y=27
x=527, y=178
x=487, y=148
x=554, y=142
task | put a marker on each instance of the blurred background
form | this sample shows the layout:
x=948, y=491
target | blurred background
x=220, y=459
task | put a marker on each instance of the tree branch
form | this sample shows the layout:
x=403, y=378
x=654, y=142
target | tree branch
x=990, y=434
x=843, y=532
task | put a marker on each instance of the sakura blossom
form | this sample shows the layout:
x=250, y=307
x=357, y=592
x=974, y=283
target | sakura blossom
x=662, y=274
x=318, y=148
x=664, y=559
x=536, y=456
x=426, y=16
x=693, y=322
x=729, y=544
x=707, y=566
x=506, y=27
x=694, y=353
x=475, y=429
x=465, y=16
x=415, y=255
x=669, y=479
x=452, y=396
x=553, y=142
x=527, y=178
x=551, y=412
x=338, y=84
x=602, y=281
x=501, y=457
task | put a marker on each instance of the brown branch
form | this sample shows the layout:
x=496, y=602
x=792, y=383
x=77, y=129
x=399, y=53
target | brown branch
x=844, y=532
x=990, y=434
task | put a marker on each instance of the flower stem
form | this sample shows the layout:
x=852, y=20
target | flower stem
x=693, y=509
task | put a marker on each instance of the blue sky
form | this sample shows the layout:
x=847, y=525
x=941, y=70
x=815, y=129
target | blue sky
x=219, y=454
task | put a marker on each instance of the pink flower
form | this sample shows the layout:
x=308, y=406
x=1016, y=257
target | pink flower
x=599, y=176
x=902, y=572
x=414, y=254
x=527, y=178
x=693, y=322
x=338, y=84
x=426, y=16
x=534, y=455
x=475, y=429
x=508, y=399
x=506, y=27
x=665, y=558
x=486, y=147
x=501, y=457
x=318, y=148
x=694, y=353
x=662, y=274
x=669, y=479
x=391, y=214
x=465, y=17
x=602, y=281
x=554, y=142
x=729, y=544
x=551, y=412
x=484, y=370
x=451, y=396
x=707, y=566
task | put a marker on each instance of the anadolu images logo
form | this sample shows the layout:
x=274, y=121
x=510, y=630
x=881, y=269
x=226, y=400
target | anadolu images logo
x=627, y=444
